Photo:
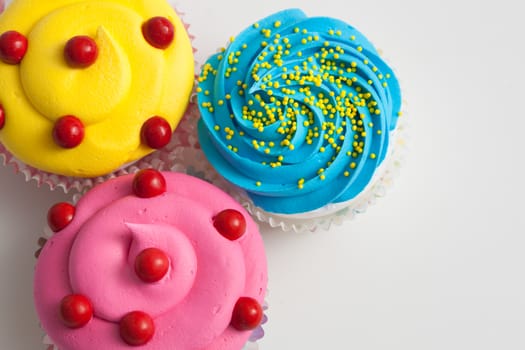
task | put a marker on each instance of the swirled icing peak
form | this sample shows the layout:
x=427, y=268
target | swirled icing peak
x=115, y=66
x=93, y=261
x=297, y=111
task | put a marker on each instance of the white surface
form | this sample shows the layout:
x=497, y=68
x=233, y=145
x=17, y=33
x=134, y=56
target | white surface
x=436, y=264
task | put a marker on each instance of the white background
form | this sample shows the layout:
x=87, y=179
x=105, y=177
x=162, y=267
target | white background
x=436, y=264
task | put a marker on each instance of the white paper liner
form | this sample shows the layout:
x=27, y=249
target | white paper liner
x=50, y=346
x=156, y=160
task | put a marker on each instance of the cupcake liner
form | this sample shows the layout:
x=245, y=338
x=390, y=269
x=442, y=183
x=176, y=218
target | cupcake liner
x=50, y=346
x=159, y=159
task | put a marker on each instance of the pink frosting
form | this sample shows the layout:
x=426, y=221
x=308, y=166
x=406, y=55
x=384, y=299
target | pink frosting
x=191, y=306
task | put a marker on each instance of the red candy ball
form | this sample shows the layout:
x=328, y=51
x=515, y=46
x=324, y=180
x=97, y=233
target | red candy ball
x=230, y=223
x=60, y=215
x=137, y=328
x=76, y=310
x=247, y=314
x=158, y=32
x=13, y=47
x=68, y=131
x=156, y=132
x=151, y=265
x=81, y=51
x=2, y=117
x=149, y=183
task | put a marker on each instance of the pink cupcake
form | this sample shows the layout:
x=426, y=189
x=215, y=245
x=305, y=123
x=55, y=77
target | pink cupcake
x=102, y=94
x=161, y=260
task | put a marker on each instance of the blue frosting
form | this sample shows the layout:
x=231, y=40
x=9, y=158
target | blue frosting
x=297, y=111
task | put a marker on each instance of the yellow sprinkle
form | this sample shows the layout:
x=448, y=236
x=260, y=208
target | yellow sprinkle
x=258, y=183
x=277, y=24
x=346, y=173
x=217, y=128
x=373, y=156
x=256, y=25
x=353, y=165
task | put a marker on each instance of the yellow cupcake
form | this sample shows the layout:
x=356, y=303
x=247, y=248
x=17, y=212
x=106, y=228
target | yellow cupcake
x=85, y=110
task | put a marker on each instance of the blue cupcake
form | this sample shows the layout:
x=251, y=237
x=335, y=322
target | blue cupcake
x=298, y=112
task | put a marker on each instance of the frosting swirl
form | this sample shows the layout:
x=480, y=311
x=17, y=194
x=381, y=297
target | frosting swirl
x=297, y=111
x=130, y=82
x=95, y=254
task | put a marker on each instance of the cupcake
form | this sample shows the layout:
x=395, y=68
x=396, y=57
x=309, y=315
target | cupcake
x=87, y=98
x=158, y=260
x=299, y=114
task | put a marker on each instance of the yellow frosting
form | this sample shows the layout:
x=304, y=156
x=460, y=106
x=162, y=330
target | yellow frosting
x=130, y=82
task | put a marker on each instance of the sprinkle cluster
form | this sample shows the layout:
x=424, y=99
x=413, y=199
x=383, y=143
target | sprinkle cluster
x=306, y=94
